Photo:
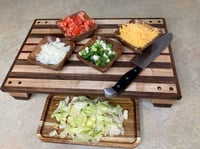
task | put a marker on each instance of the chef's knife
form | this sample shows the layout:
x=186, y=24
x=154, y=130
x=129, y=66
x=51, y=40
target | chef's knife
x=141, y=61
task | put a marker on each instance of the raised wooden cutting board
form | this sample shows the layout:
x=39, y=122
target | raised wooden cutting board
x=158, y=81
x=130, y=139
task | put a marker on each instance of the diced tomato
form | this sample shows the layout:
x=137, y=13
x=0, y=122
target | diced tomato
x=76, y=24
x=76, y=31
x=77, y=20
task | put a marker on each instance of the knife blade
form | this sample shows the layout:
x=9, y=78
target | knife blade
x=141, y=61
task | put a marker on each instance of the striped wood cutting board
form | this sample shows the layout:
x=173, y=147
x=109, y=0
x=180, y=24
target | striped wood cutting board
x=159, y=80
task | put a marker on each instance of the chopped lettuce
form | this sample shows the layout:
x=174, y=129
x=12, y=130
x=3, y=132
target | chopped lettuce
x=85, y=119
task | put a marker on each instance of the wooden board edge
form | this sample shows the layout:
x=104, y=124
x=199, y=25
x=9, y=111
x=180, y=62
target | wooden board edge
x=175, y=73
x=42, y=117
x=138, y=138
x=179, y=96
x=19, y=51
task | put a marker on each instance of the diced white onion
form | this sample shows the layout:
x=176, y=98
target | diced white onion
x=52, y=52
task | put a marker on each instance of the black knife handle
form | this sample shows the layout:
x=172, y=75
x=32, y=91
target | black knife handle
x=126, y=79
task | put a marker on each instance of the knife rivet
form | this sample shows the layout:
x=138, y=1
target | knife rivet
x=135, y=70
x=118, y=86
x=127, y=78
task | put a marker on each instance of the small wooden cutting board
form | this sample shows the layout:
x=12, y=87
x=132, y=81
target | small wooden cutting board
x=130, y=139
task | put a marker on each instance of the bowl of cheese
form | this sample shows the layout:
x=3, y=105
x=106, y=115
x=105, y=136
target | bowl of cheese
x=137, y=35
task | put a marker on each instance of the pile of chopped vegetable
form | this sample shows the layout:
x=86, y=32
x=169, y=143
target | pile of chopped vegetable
x=76, y=24
x=138, y=35
x=84, y=119
x=99, y=53
x=52, y=52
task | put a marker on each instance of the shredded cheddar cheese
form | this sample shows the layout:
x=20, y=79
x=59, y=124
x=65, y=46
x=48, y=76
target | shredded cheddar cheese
x=137, y=34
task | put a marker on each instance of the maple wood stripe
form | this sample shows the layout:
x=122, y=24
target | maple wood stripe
x=121, y=21
x=33, y=40
x=28, y=48
x=145, y=79
x=46, y=31
x=123, y=57
x=105, y=31
x=84, y=70
x=37, y=84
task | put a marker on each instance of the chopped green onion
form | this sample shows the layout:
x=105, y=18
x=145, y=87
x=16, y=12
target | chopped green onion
x=99, y=53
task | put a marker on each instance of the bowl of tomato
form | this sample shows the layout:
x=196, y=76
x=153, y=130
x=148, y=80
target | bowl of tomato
x=77, y=26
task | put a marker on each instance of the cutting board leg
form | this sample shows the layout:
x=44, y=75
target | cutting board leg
x=163, y=102
x=20, y=95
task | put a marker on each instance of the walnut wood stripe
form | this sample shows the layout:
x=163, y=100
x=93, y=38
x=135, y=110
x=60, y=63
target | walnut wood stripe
x=43, y=35
x=62, y=76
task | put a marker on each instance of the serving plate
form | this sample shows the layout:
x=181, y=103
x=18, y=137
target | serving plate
x=115, y=47
x=32, y=56
x=133, y=47
x=82, y=35
x=130, y=139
